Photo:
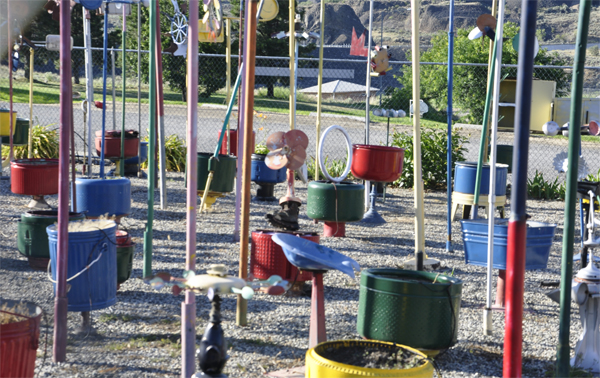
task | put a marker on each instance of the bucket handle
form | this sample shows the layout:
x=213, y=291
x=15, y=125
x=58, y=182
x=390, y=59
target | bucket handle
x=104, y=247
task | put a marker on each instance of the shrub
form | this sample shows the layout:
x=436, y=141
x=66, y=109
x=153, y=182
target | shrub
x=44, y=144
x=175, y=152
x=539, y=188
x=335, y=168
x=433, y=155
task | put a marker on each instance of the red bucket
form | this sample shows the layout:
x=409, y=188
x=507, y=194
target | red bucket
x=377, y=163
x=123, y=239
x=112, y=144
x=34, y=177
x=267, y=257
x=234, y=143
x=19, y=342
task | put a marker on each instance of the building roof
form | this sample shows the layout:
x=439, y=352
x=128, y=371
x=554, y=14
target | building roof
x=338, y=86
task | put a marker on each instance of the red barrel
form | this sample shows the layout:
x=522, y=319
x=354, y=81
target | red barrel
x=267, y=257
x=377, y=163
x=19, y=342
x=34, y=177
x=234, y=143
x=112, y=144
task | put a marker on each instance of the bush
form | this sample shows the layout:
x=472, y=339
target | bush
x=539, y=188
x=433, y=154
x=335, y=168
x=175, y=152
x=44, y=144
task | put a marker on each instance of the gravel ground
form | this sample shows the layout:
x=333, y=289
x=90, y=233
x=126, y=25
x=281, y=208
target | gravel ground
x=140, y=335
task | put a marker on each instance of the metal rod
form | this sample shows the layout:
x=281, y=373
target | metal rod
x=104, y=73
x=10, y=81
x=139, y=77
x=292, y=26
x=29, y=137
x=240, y=132
x=368, y=95
x=563, y=350
x=114, y=107
x=89, y=85
x=492, y=48
x=161, y=116
x=449, y=118
x=123, y=94
x=487, y=311
x=320, y=85
x=228, y=77
x=228, y=112
x=188, y=307
x=418, y=185
x=152, y=143
x=250, y=53
x=66, y=118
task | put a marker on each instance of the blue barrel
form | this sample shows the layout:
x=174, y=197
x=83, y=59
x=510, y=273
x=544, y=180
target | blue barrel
x=96, y=287
x=97, y=197
x=465, y=174
x=263, y=174
x=143, y=155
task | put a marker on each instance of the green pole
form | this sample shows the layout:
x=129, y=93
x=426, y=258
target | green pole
x=123, y=78
x=484, y=133
x=152, y=143
x=563, y=351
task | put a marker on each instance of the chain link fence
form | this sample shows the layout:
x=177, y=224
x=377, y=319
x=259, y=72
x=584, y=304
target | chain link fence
x=343, y=100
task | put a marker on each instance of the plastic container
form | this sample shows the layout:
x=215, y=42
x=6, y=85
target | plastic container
x=5, y=121
x=341, y=202
x=125, y=251
x=225, y=169
x=465, y=174
x=112, y=144
x=34, y=177
x=32, y=238
x=19, y=342
x=377, y=163
x=475, y=239
x=406, y=307
x=267, y=257
x=233, y=142
x=262, y=174
x=108, y=196
x=20, y=133
x=318, y=366
x=96, y=287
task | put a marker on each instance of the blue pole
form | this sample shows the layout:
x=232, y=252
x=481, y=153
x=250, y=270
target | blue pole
x=449, y=153
x=105, y=57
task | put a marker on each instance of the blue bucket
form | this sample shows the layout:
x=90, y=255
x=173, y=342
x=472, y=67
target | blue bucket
x=465, y=174
x=475, y=239
x=96, y=287
x=97, y=197
x=262, y=174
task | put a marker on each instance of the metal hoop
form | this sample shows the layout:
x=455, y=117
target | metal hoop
x=348, y=161
x=179, y=28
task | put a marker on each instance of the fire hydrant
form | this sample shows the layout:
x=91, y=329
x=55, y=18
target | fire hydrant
x=586, y=293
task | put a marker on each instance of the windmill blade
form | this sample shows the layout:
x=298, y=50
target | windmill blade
x=295, y=138
x=276, y=159
x=296, y=158
x=276, y=140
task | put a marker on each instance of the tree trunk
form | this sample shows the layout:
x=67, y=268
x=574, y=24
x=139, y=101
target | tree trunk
x=270, y=90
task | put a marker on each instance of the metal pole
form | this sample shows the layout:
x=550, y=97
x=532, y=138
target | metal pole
x=292, y=15
x=161, y=116
x=139, y=76
x=320, y=85
x=105, y=60
x=250, y=58
x=487, y=311
x=563, y=350
x=418, y=185
x=188, y=307
x=152, y=143
x=10, y=81
x=89, y=87
x=123, y=95
x=489, y=88
x=368, y=96
x=228, y=77
x=66, y=117
x=517, y=226
x=31, y=60
x=240, y=131
x=449, y=117
x=114, y=94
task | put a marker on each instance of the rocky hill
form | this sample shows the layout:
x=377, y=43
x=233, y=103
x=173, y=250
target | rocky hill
x=557, y=19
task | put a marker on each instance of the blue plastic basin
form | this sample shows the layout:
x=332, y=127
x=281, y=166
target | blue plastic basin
x=263, y=174
x=475, y=239
x=96, y=197
x=465, y=174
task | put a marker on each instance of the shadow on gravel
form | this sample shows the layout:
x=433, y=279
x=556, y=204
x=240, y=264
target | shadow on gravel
x=15, y=265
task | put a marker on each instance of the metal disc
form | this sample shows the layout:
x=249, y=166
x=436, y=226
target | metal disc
x=276, y=160
x=269, y=10
x=486, y=20
x=295, y=138
x=275, y=140
x=594, y=127
x=296, y=158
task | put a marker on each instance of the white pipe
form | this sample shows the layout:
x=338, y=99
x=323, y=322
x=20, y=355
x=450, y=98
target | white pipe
x=487, y=312
x=89, y=89
x=368, y=96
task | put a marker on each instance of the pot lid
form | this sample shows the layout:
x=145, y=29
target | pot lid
x=589, y=273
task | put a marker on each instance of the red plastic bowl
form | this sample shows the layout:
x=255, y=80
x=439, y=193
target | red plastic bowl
x=377, y=163
x=123, y=239
x=34, y=177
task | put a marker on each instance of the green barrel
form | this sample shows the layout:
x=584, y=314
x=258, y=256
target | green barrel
x=406, y=307
x=21, y=134
x=325, y=199
x=124, y=262
x=225, y=169
x=32, y=239
x=504, y=155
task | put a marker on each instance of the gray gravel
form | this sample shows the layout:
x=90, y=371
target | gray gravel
x=139, y=335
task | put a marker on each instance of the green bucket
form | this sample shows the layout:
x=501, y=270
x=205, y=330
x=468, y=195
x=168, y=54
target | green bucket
x=225, y=169
x=406, y=307
x=340, y=202
x=124, y=262
x=21, y=134
x=504, y=155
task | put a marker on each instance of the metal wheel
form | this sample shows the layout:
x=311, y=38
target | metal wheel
x=179, y=28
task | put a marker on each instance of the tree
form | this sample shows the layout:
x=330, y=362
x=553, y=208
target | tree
x=267, y=46
x=43, y=24
x=211, y=77
x=469, y=82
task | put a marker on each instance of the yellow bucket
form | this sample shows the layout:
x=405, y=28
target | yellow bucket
x=5, y=122
x=318, y=366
